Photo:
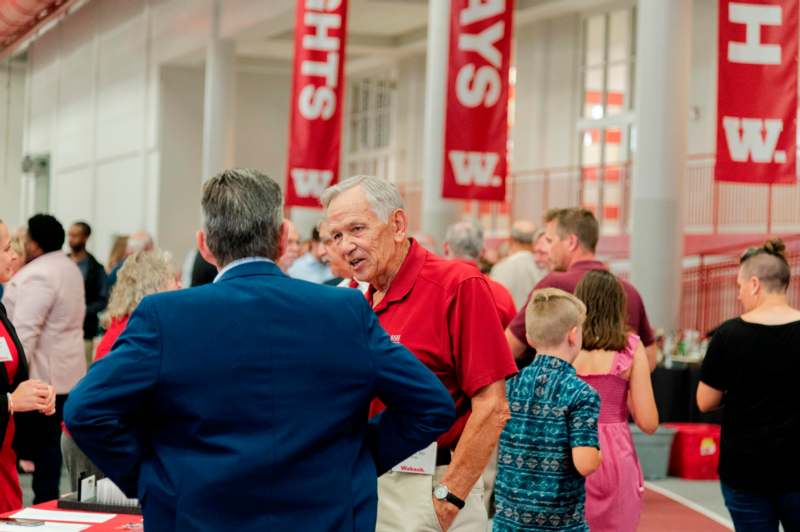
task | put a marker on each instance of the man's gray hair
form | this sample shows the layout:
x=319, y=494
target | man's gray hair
x=465, y=240
x=383, y=197
x=522, y=232
x=139, y=241
x=242, y=209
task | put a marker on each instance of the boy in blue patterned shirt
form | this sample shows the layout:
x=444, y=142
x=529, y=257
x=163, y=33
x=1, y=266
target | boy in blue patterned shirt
x=550, y=443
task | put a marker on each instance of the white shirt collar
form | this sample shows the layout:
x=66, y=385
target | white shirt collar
x=239, y=262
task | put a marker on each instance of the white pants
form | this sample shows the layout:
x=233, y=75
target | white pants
x=405, y=504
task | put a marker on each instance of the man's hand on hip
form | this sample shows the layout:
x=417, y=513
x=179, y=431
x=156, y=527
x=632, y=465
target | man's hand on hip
x=445, y=513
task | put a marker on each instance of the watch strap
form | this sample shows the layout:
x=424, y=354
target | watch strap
x=456, y=501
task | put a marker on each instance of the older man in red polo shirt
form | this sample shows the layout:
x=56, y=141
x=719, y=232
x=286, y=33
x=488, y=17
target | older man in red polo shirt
x=572, y=236
x=444, y=313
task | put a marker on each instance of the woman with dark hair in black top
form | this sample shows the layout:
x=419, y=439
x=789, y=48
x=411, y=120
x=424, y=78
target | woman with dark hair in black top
x=751, y=368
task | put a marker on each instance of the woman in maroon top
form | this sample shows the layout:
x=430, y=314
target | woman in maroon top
x=17, y=392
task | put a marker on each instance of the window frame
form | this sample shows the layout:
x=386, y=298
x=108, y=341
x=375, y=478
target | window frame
x=623, y=121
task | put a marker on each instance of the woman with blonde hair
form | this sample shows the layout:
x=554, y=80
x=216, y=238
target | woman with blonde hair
x=18, y=248
x=118, y=249
x=142, y=274
x=18, y=393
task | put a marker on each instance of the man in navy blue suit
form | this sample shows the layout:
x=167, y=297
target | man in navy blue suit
x=242, y=405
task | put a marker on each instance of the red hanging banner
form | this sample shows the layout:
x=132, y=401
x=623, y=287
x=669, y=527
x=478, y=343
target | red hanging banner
x=316, y=107
x=757, y=92
x=476, y=123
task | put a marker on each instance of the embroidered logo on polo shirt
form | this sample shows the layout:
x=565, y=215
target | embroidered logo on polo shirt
x=395, y=338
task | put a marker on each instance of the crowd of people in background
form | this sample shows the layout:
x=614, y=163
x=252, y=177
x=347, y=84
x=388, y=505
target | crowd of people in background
x=513, y=381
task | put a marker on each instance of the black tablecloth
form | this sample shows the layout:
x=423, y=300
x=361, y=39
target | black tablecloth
x=675, y=390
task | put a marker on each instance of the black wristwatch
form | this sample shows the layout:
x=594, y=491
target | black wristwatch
x=441, y=493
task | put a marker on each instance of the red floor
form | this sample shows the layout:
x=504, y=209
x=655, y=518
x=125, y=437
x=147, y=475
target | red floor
x=662, y=514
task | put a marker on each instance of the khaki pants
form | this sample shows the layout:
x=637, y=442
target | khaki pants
x=489, y=477
x=405, y=504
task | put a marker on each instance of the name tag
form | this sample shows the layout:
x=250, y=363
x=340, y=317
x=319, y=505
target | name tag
x=5, y=352
x=420, y=463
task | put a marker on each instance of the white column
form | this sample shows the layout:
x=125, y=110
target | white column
x=663, y=62
x=219, y=99
x=437, y=213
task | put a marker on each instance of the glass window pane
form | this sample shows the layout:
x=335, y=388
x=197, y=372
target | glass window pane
x=356, y=98
x=619, y=37
x=615, y=147
x=364, y=132
x=365, y=91
x=590, y=147
x=353, y=136
x=595, y=40
x=617, y=96
x=593, y=93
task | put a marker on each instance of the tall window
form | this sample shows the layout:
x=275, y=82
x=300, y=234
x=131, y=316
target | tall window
x=605, y=127
x=370, y=132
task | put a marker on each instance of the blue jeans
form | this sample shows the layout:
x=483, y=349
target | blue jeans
x=761, y=512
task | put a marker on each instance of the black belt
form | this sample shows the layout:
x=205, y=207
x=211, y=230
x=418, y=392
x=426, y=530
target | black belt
x=443, y=456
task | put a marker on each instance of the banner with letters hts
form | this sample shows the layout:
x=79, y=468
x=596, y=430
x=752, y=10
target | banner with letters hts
x=476, y=120
x=315, y=125
x=757, y=92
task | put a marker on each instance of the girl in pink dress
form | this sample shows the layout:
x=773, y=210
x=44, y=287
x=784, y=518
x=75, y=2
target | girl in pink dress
x=613, y=361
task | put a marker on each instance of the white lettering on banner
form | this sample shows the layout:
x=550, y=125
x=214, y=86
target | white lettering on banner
x=476, y=85
x=480, y=10
x=321, y=40
x=472, y=89
x=328, y=69
x=322, y=5
x=751, y=143
x=309, y=182
x=320, y=101
x=475, y=168
x=483, y=43
x=315, y=102
x=753, y=51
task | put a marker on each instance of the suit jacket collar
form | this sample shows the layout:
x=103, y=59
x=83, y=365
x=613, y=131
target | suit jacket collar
x=250, y=269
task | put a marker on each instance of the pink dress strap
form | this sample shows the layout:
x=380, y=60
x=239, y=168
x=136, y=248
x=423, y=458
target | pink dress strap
x=623, y=360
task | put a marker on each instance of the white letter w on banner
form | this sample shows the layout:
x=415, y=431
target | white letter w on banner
x=475, y=168
x=309, y=182
x=751, y=142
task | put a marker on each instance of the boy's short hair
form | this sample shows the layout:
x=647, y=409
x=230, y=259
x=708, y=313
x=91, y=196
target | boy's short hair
x=551, y=314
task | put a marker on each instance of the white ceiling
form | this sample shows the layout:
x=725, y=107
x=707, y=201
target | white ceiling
x=378, y=31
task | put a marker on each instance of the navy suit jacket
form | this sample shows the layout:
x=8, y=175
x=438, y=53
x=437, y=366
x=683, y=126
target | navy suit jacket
x=242, y=405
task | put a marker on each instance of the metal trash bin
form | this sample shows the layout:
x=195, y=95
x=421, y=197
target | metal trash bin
x=653, y=451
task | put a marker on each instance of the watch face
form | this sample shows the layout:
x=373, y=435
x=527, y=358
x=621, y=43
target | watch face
x=440, y=492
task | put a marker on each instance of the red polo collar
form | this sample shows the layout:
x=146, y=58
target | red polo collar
x=404, y=281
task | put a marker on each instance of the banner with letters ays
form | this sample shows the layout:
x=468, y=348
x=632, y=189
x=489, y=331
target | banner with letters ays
x=757, y=91
x=476, y=120
x=315, y=125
